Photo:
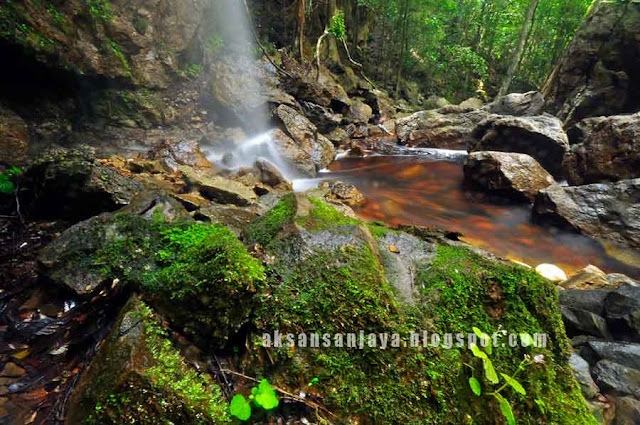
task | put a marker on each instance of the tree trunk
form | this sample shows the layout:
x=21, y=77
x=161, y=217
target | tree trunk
x=403, y=44
x=301, y=22
x=524, y=35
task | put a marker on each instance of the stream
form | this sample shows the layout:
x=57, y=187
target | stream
x=426, y=192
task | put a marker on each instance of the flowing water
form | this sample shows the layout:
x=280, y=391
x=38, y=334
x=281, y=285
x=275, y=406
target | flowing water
x=419, y=191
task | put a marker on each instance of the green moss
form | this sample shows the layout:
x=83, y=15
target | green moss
x=121, y=56
x=345, y=291
x=16, y=26
x=322, y=216
x=265, y=229
x=161, y=388
x=100, y=10
x=188, y=270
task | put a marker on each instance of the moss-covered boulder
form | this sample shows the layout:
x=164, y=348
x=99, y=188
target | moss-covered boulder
x=333, y=279
x=198, y=275
x=139, y=377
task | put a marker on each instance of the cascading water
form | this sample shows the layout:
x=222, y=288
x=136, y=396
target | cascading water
x=234, y=28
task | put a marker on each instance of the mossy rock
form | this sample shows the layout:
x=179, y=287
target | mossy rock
x=139, y=377
x=142, y=108
x=329, y=277
x=198, y=275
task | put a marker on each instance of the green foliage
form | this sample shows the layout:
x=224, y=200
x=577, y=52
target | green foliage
x=263, y=396
x=193, y=71
x=100, y=10
x=263, y=230
x=120, y=55
x=337, y=26
x=8, y=179
x=215, y=44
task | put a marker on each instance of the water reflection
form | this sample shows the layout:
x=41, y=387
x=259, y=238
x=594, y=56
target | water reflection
x=413, y=190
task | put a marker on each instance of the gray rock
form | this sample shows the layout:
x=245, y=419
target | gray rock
x=583, y=375
x=542, y=137
x=623, y=353
x=472, y=102
x=617, y=379
x=584, y=322
x=446, y=128
x=306, y=136
x=519, y=104
x=588, y=300
x=622, y=310
x=609, y=211
x=604, y=149
x=514, y=175
x=269, y=174
x=324, y=118
x=14, y=138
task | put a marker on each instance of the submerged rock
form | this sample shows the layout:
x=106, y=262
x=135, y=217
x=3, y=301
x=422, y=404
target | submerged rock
x=607, y=211
x=140, y=376
x=71, y=184
x=604, y=149
x=541, y=137
x=514, y=175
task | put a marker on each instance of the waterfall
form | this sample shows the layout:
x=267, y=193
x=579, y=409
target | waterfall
x=233, y=25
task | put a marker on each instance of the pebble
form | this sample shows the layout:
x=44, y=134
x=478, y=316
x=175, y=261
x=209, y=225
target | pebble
x=551, y=272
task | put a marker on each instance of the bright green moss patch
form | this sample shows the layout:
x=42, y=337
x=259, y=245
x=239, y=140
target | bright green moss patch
x=143, y=379
x=322, y=216
x=188, y=270
x=263, y=230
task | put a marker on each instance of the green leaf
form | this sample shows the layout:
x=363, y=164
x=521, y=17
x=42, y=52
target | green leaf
x=526, y=340
x=489, y=371
x=541, y=405
x=240, y=408
x=265, y=396
x=514, y=384
x=477, y=352
x=505, y=408
x=481, y=335
x=6, y=186
x=475, y=386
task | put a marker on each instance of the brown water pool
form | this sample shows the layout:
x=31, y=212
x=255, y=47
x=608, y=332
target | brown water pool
x=414, y=190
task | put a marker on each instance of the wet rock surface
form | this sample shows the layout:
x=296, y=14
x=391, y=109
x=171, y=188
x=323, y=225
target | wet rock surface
x=604, y=149
x=518, y=104
x=541, y=137
x=518, y=176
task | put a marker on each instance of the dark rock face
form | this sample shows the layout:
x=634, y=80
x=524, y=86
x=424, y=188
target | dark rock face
x=128, y=41
x=519, y=104
x=542, y=137
x=581, y=322
x=627, y=411
x=623, y=353
x=71, y=184
x=514, y=175
x=604, y=149
x=14, y=138
x=446, y=128
x=607, y=211
x=617, y=379
x=587, y=300
x=599, y=73
x=622, y=309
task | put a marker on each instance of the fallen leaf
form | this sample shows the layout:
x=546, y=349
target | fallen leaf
x=394, y=249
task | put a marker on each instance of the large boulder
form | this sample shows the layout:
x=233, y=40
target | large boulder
x=515, y=175
x=72, y=184
x=604, y=149
x=139, y=375
x=588, y=300
x=606, y=211
x=541, y=136
x=622, y=309
x=627, y=411
x=306, y=136
x=14, y=138
x=446, y=128
x=172, y=153
x=381, y=104
x=599, y=72
x=583, y=375
x=622, y=353
x=519, y=104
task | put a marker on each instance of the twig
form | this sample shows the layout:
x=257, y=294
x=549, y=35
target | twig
x=18, y=201
x=257, y=39
x=308, y=403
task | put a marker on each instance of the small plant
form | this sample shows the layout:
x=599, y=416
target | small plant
x=8, y=180
x=192, y=71
x=491, y=376
x=263, y=396
x=215, y=44
x=337, y=29
x=100, y=10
